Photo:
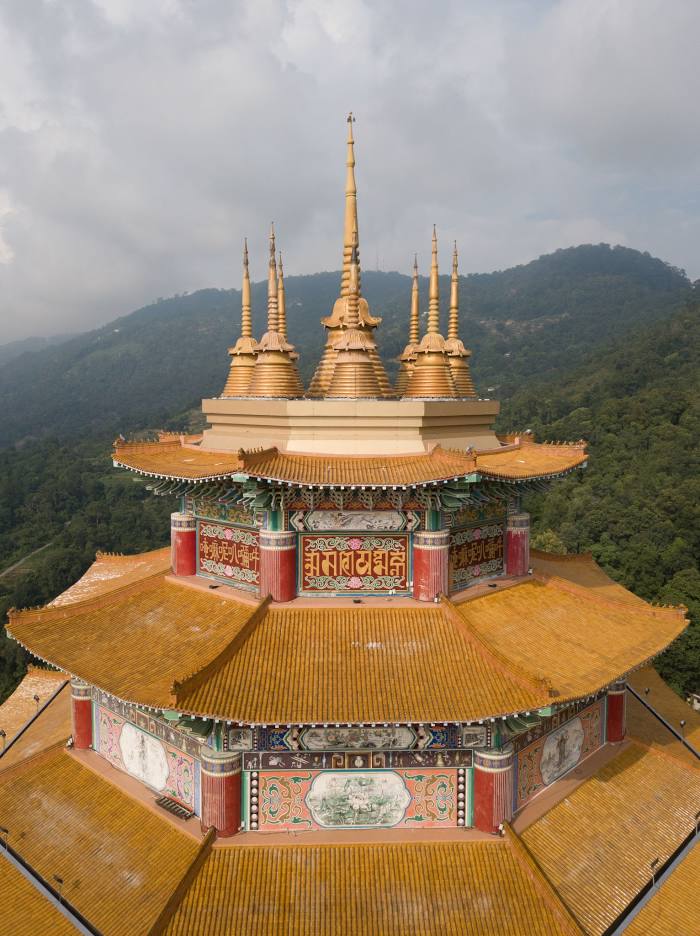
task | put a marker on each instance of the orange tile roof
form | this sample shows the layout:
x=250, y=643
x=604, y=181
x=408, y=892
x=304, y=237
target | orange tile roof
x=643, y=725
x=196, y=650
x=119, y=862
x=574, y=639
x=25, y=910
x=581, y=569
x=596, y=845
x=374, y=664
x=110, y=571
x=52, y=725
x=171, y=459
x=451, y=888
x=16, y=710
x=135, y=642
x=674, y=909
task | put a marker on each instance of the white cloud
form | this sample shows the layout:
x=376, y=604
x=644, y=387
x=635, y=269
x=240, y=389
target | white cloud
x=139, y=142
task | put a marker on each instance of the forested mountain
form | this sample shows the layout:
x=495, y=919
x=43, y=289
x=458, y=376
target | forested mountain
x=13, y=349
x=591, y=342
x=637, y=506
x=150, y=366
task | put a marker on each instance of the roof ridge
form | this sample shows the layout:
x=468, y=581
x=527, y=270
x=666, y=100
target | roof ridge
x=195, y=679
x=182, y=886
x=523, y=676
x=532, y=868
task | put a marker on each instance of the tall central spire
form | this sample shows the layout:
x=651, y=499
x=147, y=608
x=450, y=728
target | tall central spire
x=275, y=374
x=351, y=226
x=338, y=321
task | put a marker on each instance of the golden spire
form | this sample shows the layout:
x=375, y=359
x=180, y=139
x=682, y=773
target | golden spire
x=275, y=373
x=244, y=352
x=281, y=304
x=351, y=224
x=431, y=375
x=336, y=323
x=408, y=356
x=353, y=370
x=457, y=355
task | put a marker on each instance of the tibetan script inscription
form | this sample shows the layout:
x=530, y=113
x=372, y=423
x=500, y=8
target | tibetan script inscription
x=229, y=552
x=475, y=552
x=362, y=563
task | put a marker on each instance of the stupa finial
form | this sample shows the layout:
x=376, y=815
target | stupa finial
x=244, y=352
x=457, y=355
x=281, y=301
x=453, y=321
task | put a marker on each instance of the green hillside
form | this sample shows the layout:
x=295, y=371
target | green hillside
x=146, y=368
x=637, y=506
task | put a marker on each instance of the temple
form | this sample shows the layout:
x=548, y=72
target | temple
x=349, y=697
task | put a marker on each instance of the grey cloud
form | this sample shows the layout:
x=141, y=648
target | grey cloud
x=139, y=142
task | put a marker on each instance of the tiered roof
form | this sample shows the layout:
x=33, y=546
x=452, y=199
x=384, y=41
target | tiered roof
x=523, y=460
x=515, y=647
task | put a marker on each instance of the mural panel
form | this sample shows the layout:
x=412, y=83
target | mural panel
x=552, y=755
x=229, y=552
x=207, y=509
x=365, y=739
x=425, y=736
x=476, y=551
x=352, y=564
x=385, y=521
x=350, y=760
x=159, y=765
x=357, y=799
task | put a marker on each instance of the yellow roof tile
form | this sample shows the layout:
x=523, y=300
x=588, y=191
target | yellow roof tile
x=448, y=888
x=581, y=569
x=51, y=726
x=564, y=633
x=648, y=729
x=119, y=862
x=165, y=632
x=25, y=911
x=16, y=710
x=596, y=845
x=171, y=459
x=674, y=909
x=109, y=572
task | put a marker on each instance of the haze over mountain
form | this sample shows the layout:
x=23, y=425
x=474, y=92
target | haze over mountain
x=144, y=369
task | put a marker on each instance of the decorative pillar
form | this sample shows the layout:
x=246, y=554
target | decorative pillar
x=81, y=713
x=221, y=791
x=518, y=544
x=616, y=722
x=493, y=788
x=278, y=564
x=183, y=543
x=431, y=549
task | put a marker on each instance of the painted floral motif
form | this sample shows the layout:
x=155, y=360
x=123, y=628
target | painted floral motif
x=350, y=799
x=355, y=799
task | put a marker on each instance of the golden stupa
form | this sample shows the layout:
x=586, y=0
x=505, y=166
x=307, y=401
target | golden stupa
x=408, y=356
x=275, y=373
x=431, y=376
x=245, y=351
x=336, y=322
x=457, y=355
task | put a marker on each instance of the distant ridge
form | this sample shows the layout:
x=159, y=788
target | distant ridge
x=149, y=367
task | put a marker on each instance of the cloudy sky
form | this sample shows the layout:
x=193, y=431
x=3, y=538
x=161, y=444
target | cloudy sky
x=140, y=140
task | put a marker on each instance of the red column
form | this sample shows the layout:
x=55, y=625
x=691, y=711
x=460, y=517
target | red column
x=615, y=726
x=81, y=713
x=183, y=544
x=431, y=550
x=221, y=791
x=493, y=789
x=278, y=564
x=518, y=544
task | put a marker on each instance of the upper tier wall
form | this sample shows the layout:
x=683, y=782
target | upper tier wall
x=349, y=427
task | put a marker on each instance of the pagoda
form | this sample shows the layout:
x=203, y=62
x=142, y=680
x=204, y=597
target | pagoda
x=349, y=697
